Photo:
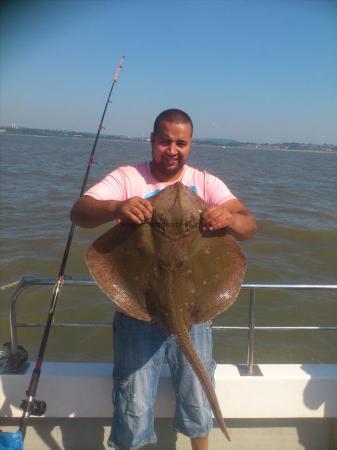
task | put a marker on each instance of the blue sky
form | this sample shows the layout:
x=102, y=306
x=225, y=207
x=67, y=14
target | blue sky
x=263, y=71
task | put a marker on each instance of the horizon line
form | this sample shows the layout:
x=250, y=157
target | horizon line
x=127, y=137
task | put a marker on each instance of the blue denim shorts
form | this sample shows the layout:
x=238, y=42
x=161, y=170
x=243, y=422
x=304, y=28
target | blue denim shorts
x=139, y=351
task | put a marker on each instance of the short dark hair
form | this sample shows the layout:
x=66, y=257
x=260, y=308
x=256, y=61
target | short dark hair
x=172, y=115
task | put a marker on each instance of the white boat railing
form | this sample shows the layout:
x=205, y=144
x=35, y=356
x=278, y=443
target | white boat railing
x=251, y=328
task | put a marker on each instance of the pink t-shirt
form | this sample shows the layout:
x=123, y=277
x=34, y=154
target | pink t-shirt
x=131, y=181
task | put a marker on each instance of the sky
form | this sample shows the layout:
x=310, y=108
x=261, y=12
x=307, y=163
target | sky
x=258, y=71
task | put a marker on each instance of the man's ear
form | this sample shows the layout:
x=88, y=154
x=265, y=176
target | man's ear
x=152, y=138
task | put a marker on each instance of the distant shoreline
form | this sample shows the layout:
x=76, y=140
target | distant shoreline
x=225, y=144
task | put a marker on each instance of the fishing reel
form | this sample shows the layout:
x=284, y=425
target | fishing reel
x=35, y=407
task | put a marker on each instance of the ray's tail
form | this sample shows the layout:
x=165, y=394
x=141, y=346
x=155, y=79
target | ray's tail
x=200, y=370
x=179, y=328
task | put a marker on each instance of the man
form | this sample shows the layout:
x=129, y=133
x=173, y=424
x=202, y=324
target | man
x=140, y=347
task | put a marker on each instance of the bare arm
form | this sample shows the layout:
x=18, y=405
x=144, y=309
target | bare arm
x=232, y=215
x=88, y=212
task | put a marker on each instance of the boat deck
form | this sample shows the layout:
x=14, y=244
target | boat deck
x=287, y=406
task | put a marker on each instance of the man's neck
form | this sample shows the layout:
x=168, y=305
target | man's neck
x=166, y=178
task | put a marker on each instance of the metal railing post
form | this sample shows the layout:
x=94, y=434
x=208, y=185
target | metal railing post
x=251, y=332
x=24, y=284
x=12, y=316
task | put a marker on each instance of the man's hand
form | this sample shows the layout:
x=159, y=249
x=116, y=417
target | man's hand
x=89, y=212
x=232, y=215
x=135, y=209
x=216, y=217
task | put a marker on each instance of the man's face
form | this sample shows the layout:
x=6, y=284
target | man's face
x=171, y=146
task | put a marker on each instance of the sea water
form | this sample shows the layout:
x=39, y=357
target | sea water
x=291, y=193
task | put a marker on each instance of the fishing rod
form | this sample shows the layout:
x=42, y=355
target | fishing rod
x=30, y=405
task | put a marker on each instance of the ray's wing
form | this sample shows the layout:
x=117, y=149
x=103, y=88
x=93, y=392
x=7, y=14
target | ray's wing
x=121, y=261
x=213, y=276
